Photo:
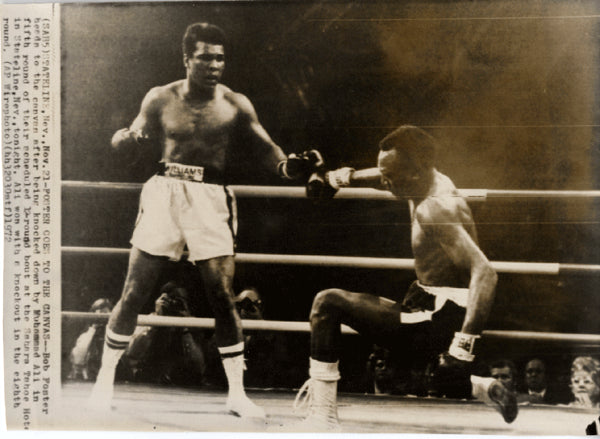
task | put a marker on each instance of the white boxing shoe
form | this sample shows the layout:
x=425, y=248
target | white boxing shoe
x=505, y=401
x=242, y=406
x=313, y=424
x=320, y=399
x=102, y=394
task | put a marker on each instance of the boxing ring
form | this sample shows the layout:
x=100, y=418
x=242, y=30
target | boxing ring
x=153, y=408
x=144, y=407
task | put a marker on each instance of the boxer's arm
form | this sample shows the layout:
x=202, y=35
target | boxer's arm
x=370, y=177
x=270, y=155
x=144, y=129
x=268, y=152
x=349, y=177
x=325, y=184
x=440, y=221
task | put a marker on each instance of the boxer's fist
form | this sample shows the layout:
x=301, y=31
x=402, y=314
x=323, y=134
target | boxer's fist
x=451, y=377
x=325, y=184
x=291, y=167
x=318, y=186
x=314, y=159
x=126, y=139
x=301, y=165
x=417, y=299
x=142, y=137
x=452, y=374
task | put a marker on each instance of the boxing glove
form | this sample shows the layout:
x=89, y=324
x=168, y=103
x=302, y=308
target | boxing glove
x=300, y=165
x=451, y=377
x=318, y=187
x=325, y=184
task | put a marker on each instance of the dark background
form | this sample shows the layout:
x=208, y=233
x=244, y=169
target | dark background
x=510, y=89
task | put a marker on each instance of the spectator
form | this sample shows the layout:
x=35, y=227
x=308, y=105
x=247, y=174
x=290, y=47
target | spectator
x=506, y=372
x=166, y=355
x=382, y=373
x=249, y=304
x=87, y=352
x=537, y=388
x=585, y=382
x=273, y=359
x=389, y=374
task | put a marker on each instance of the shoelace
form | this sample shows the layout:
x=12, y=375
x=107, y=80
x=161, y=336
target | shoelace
x=304, y=397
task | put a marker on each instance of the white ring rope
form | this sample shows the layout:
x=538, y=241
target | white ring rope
x=348, y=193
x=277, y=325
x=544, y=268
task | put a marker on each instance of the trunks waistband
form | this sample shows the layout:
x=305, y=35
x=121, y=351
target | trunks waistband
x=442, y=295
x=460, y=296
x=198, y=174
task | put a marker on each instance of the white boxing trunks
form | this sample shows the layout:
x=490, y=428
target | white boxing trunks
x=179, y=209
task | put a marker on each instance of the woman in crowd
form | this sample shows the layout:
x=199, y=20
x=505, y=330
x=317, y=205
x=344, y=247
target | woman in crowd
x=585, y=382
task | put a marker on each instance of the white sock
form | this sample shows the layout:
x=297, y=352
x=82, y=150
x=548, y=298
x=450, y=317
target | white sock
x=114, y=347
x=102, y=392
x=481, y=386
x=233, y=363
x=323, y=371
x=324, y=378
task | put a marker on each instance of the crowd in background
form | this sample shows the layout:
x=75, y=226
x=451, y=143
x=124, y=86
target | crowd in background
x=577, y=386
x=189, y=357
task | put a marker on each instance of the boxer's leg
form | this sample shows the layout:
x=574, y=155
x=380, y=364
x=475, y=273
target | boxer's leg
x=141, y=279
x=217, y=274
x=369, y=315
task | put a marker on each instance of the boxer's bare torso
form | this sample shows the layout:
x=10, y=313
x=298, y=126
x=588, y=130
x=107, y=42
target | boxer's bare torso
x=435, y=220
x=193, y=131
x=197, y=120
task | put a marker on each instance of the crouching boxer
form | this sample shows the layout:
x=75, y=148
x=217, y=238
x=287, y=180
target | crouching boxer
x=444, y=310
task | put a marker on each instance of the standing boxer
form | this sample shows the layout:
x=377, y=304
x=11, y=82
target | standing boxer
x=454, y=290
x=195, y=123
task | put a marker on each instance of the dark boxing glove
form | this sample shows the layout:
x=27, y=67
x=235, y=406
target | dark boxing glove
x=126, y=139
x=452, y=374
x=417, y=299
x=318, y=187
x=454, y=378
x=314, y=159
x=300, y=165
x=451, y=377
x=325, y=184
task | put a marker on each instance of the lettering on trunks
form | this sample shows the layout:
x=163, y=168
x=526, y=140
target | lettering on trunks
x=184, y=172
